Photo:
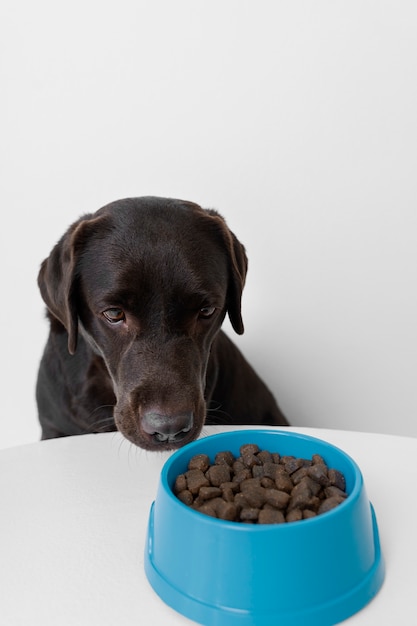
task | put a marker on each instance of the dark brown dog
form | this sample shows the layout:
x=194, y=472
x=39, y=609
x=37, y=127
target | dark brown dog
x=136, y=294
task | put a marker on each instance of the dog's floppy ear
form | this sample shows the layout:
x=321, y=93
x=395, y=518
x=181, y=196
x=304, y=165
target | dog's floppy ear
x=238, y=267
x=58, y=273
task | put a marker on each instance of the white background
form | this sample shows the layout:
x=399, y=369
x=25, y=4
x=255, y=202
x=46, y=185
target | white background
x=296, y=120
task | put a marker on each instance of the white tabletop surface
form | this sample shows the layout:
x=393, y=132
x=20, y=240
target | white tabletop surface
x=73, y=518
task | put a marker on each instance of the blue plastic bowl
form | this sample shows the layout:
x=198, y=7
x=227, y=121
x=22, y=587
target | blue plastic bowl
x=318, y=571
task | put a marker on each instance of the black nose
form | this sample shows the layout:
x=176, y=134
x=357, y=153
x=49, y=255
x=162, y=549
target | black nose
x=171, y=428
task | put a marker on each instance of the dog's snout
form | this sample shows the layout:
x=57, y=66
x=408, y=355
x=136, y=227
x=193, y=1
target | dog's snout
x=167, y=428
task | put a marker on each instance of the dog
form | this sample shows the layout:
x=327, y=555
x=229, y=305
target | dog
x=136, y=294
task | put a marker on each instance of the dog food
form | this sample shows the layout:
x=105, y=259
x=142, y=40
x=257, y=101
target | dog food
x=260, y=487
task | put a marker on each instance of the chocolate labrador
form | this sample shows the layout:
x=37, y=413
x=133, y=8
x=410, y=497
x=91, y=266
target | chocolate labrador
x=136, y=294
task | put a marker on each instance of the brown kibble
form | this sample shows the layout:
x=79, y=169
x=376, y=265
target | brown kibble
x=245, y=474
x=225, y=457
x=227, y=511
x=318, y=473
x=271, y=470
x=198, y=502
x=249, y=513
x=284, y=482
x=250, y=460
x=278, y=499
x=227, y=494
x=299, y=475
x=230, y=485
x=314, y=487
x=238, y=466
x=313, y=504
x=241, y=501
x=180, y=483
x=302, y=493
x=257, y=471
x=329, y=504
x=291, y=465
x=268, y=483
x=334, y=491
x=253, y=492
x=248, y=454
x=207, y=493
x=255, y=497
x=228, y=491
x=299, y=499
x=311, y=484
x=337, y=479
x=186, y=497
x=196, y=480
x=249, y=448
x=249, y=483
x=200, y=462
x=218, y=474
x=215, y=503
x=295, y=515
x=271, y=516
x=207, y=509
x=265, y=457
x=260, y=487
x=318, y=460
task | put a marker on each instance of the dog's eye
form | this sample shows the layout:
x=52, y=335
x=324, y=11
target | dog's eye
x=206, y=312
x=114, y=316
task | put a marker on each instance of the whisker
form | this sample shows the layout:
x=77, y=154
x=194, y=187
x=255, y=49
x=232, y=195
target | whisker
x=129, y=448
x=215, y=416
x=100, y=424
x=122, y=440
x=102, y=406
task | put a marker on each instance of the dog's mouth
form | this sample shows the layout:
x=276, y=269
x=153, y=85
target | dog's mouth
x=177, y=438
x=160, y=442
x=159, y=430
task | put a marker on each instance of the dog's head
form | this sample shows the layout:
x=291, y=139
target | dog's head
x=147, y=283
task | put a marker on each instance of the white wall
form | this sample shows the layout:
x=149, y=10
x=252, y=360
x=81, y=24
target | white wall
x=296, y=120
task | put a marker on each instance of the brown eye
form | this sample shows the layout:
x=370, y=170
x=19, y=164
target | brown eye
x=114, y=316
x=206, y=312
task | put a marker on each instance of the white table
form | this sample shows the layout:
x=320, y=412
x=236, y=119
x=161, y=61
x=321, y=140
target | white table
x=73, y=518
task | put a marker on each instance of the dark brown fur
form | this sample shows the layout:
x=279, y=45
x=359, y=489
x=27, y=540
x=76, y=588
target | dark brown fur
x=136, y=294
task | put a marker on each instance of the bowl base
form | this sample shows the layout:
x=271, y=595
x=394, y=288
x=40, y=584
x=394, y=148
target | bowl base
x=323, y=615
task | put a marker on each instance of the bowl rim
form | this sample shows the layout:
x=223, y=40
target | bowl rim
x=353, y=494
